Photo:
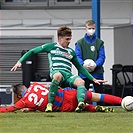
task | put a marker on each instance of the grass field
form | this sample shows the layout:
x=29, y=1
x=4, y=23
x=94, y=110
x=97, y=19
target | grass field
x=120, y=121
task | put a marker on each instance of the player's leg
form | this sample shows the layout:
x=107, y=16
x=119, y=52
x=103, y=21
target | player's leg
x=79, y=83
x=90, y=108
x=106, y=98
x=89, y=96
x=98, y=108
x=53, y=90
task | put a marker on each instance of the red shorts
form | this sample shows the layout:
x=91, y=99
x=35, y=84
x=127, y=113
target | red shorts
x=70, y=100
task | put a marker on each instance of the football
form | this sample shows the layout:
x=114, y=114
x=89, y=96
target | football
x=127, y=103
x=90, y=65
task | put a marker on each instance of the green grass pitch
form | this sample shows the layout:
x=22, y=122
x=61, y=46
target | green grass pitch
x=120, y=121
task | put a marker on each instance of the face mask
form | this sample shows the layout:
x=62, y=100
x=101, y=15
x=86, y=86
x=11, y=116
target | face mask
x=90, y=32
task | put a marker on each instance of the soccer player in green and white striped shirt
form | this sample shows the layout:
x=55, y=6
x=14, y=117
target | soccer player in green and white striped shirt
x=61, y=57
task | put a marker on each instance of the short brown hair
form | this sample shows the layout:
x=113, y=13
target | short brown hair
x=16, y=88
x=64, y=31
x=89, y=22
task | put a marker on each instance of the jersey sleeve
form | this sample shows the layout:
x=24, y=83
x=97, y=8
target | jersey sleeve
x=44, y=48
x=8, y=109
x=19, y=105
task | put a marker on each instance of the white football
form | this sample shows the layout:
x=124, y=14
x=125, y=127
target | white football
x=127, y=103
x=90, y=65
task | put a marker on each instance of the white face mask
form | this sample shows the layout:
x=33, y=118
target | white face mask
x=90, y=32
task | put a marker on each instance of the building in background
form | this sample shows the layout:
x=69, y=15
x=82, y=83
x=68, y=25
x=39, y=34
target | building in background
x=25, y=24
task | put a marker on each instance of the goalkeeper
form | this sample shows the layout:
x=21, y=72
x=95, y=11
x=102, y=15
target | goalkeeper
x=36, y=98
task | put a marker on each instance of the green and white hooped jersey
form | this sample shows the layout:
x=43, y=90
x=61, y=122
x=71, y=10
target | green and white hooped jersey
x=60, y=58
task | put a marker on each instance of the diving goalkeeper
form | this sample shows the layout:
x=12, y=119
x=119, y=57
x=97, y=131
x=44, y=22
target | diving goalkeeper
x=36, y=98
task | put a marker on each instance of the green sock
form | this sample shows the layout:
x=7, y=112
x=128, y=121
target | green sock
x=53, y=90
x=81, y=93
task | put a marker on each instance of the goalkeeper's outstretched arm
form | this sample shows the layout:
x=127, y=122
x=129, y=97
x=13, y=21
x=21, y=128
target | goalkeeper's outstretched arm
x=8, y=109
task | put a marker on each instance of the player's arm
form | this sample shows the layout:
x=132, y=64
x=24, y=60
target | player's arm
x=26, y=56
x=83, y=71
x=7, y=109
x=18, y=105
x=43, y=48
x=39, y=49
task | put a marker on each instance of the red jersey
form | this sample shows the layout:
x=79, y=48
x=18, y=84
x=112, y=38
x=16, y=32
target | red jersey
x=36, y=98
